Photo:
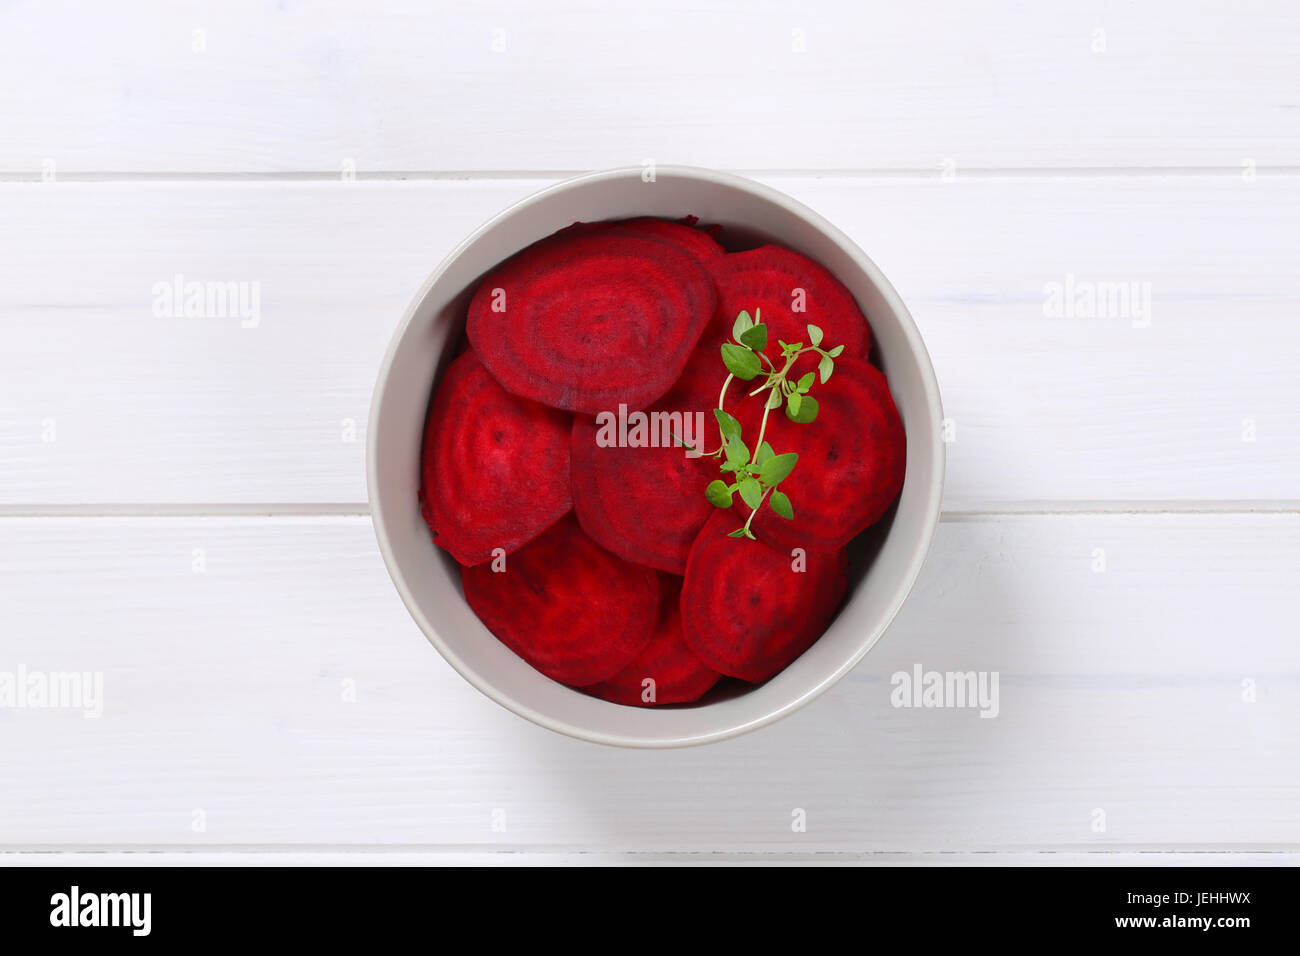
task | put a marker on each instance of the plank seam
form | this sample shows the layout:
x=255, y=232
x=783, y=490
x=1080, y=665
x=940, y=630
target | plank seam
x=241, y=848
x=470, y=175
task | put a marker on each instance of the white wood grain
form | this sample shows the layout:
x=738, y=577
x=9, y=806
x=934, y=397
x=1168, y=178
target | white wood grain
x=415, y=856
x=1046, y=410
x=1120, y=690
x=262, y=86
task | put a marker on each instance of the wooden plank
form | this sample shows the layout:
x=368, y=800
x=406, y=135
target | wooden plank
x=1120, y=691
x=401, y=856
x=105, y=403
x=261, y=86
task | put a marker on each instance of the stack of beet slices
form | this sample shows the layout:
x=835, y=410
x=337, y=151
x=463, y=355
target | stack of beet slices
x=554, y=469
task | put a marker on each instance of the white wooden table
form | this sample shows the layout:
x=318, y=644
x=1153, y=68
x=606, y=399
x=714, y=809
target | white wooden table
x=182, y=501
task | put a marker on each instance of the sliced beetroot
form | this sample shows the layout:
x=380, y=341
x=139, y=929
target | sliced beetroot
x=787, y=292
x=681, y=233
x=585, y=321
x=749, y=609
x=495, y=469
x=667, y=671
x=638, y=494
x=567, y=606
x=851, y=460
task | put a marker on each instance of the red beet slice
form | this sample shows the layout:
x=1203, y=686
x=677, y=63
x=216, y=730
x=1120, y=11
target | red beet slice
x=567, y=606
x=646, y=503
x=747, y=611
x=586, y=321
x=677, y=675
x=681, y=232
x=851, y=460
x=695, y=241
x=770, y=282
x=495, y=472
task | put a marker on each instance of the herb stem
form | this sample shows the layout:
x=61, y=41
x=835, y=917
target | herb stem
x=762, y=430
x=689, y=447
x=750, y=520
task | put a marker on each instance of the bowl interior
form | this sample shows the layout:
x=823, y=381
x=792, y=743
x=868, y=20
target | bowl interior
x=428, y=579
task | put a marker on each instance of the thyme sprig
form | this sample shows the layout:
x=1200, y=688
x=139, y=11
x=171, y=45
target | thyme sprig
x=755, y=475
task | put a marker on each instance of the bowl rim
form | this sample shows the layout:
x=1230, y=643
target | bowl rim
x=933, y=494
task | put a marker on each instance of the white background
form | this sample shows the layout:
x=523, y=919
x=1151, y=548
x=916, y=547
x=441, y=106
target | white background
x=978, y=152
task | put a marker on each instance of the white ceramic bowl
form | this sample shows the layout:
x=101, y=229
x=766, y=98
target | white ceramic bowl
x=887, y=558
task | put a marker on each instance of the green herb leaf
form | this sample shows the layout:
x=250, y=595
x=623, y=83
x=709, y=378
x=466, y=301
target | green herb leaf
x=806, y=382
x=751, y=492
x=755, y=338
x=774, y=398
x=824, y=368
x=740, y=361
x=718, y=494
x=737, y=453
x=794, y=401
x=807, y=410
x=814, y=335
x=777, y=468
x=835, y=352
x=727, y=424
x=739, y=533
x=763, y=454
x=781, y=505
x=742, y=324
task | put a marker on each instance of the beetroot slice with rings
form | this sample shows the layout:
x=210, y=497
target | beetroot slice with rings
x=584, y=321
x=852, y=460
x=771, y=283
x=639, y=494
x=567, y=606
x=680, y=232
x=677, y=675
x=495, y=470
x=748, y=609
